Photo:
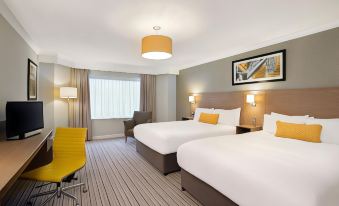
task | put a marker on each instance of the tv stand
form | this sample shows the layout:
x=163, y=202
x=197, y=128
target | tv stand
x=25, y=135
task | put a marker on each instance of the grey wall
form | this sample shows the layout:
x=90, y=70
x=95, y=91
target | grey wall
x=312, y=61
x=14, y=52
x=62, y=78
x=46, y=88
x=165, y=97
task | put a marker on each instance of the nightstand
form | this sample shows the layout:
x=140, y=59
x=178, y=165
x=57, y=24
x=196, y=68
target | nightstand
x=186, y=118
x=247, y=128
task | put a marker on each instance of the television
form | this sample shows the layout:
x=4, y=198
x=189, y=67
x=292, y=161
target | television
x=24, y=119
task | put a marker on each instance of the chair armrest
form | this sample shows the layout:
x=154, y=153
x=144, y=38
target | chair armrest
x=129, y=124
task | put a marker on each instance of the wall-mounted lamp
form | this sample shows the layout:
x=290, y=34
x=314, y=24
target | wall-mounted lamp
x=191, y=99
x=250, y=98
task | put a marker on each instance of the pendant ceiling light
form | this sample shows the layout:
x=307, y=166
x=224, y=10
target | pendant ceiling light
x=156, y=46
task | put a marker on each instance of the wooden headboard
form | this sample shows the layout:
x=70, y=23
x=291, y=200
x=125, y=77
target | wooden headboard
x=221, y=100
x=319, y=102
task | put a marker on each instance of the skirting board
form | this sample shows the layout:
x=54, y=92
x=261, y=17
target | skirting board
x=110, y=136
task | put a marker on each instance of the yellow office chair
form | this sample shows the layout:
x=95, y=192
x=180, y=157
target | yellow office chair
x=69, y=156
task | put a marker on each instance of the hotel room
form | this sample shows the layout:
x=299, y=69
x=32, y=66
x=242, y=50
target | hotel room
x=169, y=103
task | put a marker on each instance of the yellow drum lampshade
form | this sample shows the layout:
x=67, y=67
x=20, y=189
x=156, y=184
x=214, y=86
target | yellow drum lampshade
x=156, y=47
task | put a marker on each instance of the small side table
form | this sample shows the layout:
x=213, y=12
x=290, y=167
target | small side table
x=247, y=128
x=186, y=118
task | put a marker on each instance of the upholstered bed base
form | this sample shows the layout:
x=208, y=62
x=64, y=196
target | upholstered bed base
x=164, y=163
x=203, y=192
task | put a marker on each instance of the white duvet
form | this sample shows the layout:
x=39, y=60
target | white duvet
x=166, y=137
x=258, y=169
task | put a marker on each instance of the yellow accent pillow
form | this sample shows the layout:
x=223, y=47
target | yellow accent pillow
x=305, y=132
x=208, y=118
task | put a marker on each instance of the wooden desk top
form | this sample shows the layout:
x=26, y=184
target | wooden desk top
x=15, y=155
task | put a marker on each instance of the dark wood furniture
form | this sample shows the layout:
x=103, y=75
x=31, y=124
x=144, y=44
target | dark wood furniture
x=247, y=128
x=17, y=156
x=164, y=163
x=138, y=118
x=203, y=192
x=186, y=118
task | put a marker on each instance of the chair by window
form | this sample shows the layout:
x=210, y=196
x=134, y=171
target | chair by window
x=138, y=118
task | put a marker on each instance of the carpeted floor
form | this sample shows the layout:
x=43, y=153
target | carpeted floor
x=116, y=175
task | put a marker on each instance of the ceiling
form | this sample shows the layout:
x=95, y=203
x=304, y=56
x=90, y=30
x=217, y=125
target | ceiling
x=106, y=34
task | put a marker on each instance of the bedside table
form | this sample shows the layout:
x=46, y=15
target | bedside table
x=247, y=128
x=186, y=118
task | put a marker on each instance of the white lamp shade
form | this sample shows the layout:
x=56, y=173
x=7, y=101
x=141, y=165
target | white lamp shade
x=250, y=98
x=191, y=99
x=68, y=92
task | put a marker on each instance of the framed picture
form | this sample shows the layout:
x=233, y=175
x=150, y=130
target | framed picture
x=263, y=68
x=32, y=81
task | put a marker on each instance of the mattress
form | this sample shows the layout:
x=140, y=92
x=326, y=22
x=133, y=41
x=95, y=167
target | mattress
x=166, y=137
x=259, y=169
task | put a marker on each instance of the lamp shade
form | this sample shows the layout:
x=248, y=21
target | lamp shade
x=191, y=99
x=250, y=98
x=68, y=92
x=156, y=47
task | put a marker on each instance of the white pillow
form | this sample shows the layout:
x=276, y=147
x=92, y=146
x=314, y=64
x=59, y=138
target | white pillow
x=228, y=117
x=199, y=110
x=270, y=121
x=283, y=115
x=329, y=132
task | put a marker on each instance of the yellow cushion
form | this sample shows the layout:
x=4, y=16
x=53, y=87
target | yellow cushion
x=208, y=118
x=305, y=132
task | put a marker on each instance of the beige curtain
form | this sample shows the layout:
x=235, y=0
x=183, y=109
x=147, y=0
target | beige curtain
x=147, y=94
x=80, y=112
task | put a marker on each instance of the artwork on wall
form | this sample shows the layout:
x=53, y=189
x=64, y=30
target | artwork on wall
x=32, y=81
x=262, y=68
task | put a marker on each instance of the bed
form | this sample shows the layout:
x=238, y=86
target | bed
x=158, y=142
x=259, y=169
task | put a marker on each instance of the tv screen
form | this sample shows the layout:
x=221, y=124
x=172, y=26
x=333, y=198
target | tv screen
x=23, y=117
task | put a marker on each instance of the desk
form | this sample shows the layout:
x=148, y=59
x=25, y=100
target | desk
x=16, y=156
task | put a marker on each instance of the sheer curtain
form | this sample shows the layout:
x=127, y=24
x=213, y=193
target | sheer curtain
x=114, y=98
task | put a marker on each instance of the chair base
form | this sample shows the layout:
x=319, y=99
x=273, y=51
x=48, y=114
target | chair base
x=57, y=193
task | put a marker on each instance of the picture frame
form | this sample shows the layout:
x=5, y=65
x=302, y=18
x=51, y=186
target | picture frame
x=32, y=80
x=269, y=67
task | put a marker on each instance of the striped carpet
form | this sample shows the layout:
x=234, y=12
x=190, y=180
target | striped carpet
x=116, y=175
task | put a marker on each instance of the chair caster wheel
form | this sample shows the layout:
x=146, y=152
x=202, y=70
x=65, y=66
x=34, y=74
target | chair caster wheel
x=84, y=190
x=77, y=204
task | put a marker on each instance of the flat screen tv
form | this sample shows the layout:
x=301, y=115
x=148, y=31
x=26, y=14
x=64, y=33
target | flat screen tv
x=23, y=118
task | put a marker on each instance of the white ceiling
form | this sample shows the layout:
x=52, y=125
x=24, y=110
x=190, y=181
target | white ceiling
x=106, y=34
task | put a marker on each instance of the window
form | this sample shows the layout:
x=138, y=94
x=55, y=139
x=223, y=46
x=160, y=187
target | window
x=112, y=98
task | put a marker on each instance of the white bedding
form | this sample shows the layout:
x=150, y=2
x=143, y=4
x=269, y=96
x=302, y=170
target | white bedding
x=258, y=169
x=166, y=137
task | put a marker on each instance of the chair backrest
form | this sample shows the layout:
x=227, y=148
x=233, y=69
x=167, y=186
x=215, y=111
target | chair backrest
x=69, y=143
x=142, y=117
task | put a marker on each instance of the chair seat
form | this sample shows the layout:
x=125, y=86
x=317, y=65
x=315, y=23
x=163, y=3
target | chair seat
x=55, y=171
